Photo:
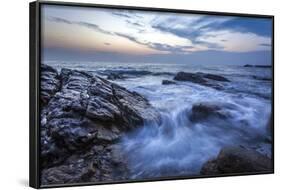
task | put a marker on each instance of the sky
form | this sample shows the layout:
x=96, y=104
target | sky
x=96, y=34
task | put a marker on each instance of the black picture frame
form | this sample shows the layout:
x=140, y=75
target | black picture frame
x=34, y=91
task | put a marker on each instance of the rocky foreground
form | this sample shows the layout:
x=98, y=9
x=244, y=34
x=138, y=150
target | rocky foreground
x=82, y=118
x=236, y=159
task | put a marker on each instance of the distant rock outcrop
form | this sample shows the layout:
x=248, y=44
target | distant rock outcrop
x=167, y=82
x=258, y=66
x=115, y=76
x=205, y=79
x=192, y=77
x=262, y=78
x=214, y=77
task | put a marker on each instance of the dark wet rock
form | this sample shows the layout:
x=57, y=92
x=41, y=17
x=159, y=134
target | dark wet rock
x=71, y=133
x=263, y=66
x=163, y=73
x=167, y=82
x=192, y=77
x=203, y=111
x=214, y=77
x=50, y=152
x=262, y=78
x=85, y=111
x=205, y=79
x=86, y=101
x=97, y=164
x=247, y=65
x=135, y=109
x=136, y=72
x=115, y=76
x=49, y=83
x=258, y=66
x=107, y=135
x=99, y=108
x=237, y=159
x=199, y=77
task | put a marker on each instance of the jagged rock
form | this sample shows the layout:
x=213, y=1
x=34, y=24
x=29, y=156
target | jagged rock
x=203, y=111
x=97, y=164
x=236, y=159
x=100, y=109
x=192, y=77
x=162, y=73
x=135, y=109
x=49, y=83
x=114, y=76
x=204, y=79
x=167, y=82
x=214, y=77
x=85, y=111
x=86, y=101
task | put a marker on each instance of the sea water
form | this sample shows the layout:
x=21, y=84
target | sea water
x=178, y=146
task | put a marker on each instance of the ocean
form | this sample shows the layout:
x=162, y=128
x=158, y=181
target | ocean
x=178, y=146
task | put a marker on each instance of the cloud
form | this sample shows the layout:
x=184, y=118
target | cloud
x=134, y=23
x=154, y=45
x=164, y=47
x=186, y=33
x=237, y=41
x=217, y=32
x=121, y=14
x=84, y=24
x=258, y=26
x=190, y=27
x=61, y=20
x=172, y=49
x=95, y=27
x=126, y=14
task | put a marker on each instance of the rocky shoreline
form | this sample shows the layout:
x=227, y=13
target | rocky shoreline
x=84, y=116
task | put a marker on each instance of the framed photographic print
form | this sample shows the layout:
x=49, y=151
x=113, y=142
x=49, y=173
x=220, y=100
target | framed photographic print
x=124, y=94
